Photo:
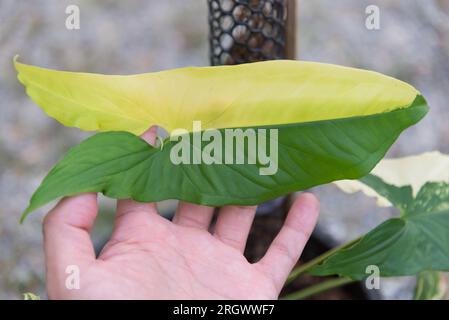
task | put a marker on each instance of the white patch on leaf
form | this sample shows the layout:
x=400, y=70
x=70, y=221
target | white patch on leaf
x=412, y=170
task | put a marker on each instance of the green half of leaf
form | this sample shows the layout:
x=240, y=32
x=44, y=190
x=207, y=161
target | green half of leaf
x=121, y=165
x=415, y=242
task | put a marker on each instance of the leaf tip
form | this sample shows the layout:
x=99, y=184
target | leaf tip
x=23, y=216
x=15, y=61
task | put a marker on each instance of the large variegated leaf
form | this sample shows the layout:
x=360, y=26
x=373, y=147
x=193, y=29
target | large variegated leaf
x=416, y=241
x=333, y=123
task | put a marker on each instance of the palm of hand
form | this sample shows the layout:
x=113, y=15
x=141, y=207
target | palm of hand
x=167, y=261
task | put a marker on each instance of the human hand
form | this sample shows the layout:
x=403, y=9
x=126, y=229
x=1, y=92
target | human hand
x=150, y=257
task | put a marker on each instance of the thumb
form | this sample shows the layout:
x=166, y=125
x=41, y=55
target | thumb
x=67, y=242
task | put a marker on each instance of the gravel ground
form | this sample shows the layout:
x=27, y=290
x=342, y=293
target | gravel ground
x=142, y=35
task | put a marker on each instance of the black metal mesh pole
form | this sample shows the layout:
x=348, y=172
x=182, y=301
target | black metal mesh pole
x=242, y=31
x=247, y=30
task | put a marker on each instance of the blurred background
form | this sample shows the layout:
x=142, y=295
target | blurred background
x=136, y=36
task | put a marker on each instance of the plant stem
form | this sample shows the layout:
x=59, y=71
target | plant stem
x=321, y=287
x=306, y=266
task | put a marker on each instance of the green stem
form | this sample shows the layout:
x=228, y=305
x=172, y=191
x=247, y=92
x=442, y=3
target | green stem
x=306, y=266
x=321, y=287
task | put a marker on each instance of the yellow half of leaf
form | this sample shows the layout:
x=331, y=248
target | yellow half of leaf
x=248, y=95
